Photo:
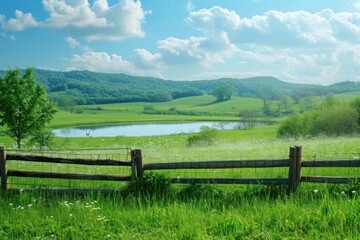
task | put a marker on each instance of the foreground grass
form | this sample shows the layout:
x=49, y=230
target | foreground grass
x=196, y=212
x=193, y=211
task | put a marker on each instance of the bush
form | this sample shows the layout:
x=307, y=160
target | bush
x=333, y=119
x=151, y=185
x=293, y=126
x=206, y=137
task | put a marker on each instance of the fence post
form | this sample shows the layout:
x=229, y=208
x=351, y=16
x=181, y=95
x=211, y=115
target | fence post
x=138, y=162
x=298, y=164
x=3, y=169
x=292, y=171
x=133, y=165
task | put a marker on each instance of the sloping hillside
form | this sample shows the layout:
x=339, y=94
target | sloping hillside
x=85, y=87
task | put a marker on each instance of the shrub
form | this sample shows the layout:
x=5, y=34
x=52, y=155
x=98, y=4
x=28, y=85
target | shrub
x=330, y=119
x=293, y=126
x=206, y=137
x=151, y=185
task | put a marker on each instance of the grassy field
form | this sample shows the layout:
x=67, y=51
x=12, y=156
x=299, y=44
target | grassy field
x=315, y=211
x=165, y=211
x=197, y=108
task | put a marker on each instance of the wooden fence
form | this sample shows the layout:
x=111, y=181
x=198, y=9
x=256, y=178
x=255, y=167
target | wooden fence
x=294, y=164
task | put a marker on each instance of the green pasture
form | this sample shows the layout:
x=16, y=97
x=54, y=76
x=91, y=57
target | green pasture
x=314, y=211
x=202, y=108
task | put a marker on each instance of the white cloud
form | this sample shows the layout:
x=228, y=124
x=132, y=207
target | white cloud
x=79, y=18
x=357, y=6
x=103, y=62
x=143, y=59
x=74, y=44
x=212, y=20
x=190, y=6
x=19, y=23
x=96, y=22
x=100, y=61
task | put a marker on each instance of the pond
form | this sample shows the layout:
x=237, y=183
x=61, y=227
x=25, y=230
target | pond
x=146, y=129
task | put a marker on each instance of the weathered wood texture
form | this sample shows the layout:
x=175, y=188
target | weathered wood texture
x=332, y=163
x=136, y=154
x=327, y=179
x=35, y=174
x=3, y=169
x=218, y=164
x=45, y=159
x=231, y=180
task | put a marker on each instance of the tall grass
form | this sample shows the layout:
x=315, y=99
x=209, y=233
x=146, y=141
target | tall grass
x=194, y=212
x=163, y=211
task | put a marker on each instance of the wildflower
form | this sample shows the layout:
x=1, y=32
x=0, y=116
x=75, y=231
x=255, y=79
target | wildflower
x=10, y=204
x=30, y=205
x=70, y=215
x=353, y=192
x=316, y=191
x=343, y=193
x=97, y=208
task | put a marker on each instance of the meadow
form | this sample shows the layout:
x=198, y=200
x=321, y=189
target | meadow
x=171, y=211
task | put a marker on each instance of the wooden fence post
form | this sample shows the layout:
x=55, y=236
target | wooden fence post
x=3, y=169
x=298, y=164
x=133, y=165
x=138, y=162
x=292, y=170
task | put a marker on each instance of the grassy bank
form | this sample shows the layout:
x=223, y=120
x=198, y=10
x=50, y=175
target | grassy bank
x=191, y=211
x=195, y=212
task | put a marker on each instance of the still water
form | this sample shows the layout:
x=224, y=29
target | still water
x=146, y=129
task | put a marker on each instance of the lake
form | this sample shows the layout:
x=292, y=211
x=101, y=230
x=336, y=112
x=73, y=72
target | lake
x=146, y=129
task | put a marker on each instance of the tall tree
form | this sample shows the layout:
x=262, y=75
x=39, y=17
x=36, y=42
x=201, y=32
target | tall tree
x=223, y=92
x=24, y=106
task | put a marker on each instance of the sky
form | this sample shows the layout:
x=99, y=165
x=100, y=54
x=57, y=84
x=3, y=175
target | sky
x=296, y=41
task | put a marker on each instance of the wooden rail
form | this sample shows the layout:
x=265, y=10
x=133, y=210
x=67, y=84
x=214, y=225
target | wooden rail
x=294, y=164
x=78, y=161
x=332, y=163
x=6, y=173
x=35, y=174
x=218, y=164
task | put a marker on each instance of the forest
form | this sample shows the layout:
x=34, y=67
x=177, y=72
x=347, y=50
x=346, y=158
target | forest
x=84, y=87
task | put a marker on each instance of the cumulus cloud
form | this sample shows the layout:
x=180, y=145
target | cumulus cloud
x=104, y=62
x=74, y=44
x=143, y=59
x=96, y=21
x=100, y=61
x=19, y=23
x=286, y=44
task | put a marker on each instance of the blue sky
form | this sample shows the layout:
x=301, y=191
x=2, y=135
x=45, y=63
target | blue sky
x=303, y=41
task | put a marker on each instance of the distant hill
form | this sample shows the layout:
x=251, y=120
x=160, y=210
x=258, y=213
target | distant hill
x=85, y=87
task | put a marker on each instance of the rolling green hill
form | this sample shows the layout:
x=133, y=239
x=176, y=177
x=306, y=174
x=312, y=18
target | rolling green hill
x=85, y=87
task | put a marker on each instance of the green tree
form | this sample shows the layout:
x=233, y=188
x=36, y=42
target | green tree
x=356, y=105
x=24, y=106
x=223, y=92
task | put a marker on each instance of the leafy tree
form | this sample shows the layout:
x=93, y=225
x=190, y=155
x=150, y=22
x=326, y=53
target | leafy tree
x=293, y=126
x=330, y=119
x=223, y=92
x=206, y=137
x=24, y=106
x=356, y=105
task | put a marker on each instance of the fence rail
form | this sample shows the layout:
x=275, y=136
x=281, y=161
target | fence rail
x=294, y=164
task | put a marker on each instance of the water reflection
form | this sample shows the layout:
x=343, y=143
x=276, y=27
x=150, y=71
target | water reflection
x=148, y=129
